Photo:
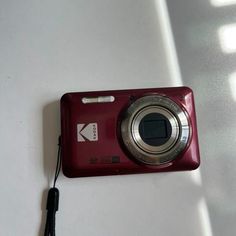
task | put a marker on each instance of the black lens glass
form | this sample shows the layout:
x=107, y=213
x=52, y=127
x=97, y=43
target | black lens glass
x=155, y=129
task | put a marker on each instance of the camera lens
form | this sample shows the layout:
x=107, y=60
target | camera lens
x=155, y=129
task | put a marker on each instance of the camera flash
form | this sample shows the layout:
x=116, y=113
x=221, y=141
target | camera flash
x=101, y=99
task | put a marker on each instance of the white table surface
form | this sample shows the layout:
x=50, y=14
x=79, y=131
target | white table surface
x=48, y=48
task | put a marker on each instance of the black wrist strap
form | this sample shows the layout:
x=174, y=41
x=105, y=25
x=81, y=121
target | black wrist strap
x=53, y=198
x=52, y=207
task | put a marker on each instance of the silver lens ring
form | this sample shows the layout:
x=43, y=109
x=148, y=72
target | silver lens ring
x=136, y=134
x=149, y=154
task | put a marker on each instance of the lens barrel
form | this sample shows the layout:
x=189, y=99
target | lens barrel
x=155, y=130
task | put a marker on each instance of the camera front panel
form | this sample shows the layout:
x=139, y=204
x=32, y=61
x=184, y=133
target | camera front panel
x=93, y=142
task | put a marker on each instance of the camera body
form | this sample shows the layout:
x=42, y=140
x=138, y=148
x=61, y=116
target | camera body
x=128, y=131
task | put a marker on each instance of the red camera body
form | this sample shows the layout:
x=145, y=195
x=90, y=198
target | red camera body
x=96, y=140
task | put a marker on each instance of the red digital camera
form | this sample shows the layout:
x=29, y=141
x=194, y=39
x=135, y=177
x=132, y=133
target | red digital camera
x=128, y=131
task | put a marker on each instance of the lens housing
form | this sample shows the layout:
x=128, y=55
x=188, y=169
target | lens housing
x=155, y=129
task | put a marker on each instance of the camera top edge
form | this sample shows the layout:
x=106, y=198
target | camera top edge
x=160, y=90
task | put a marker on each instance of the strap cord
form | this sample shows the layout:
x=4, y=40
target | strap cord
x=53, y=198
